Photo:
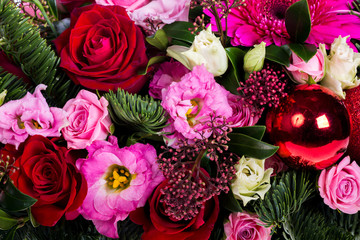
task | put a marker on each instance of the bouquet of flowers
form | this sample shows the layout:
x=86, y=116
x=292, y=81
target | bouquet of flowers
x=182, y=120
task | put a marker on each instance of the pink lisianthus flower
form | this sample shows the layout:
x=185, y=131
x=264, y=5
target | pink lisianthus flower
x=129, y=5
x=167, y=73
x=301, y=71
x=243, y=115
x=339, y=186
x=119, y=181
x=89, y=120
x=30, y=115
x=160, y=12
x=242, y=225
x=255, y=21
x=191, y=101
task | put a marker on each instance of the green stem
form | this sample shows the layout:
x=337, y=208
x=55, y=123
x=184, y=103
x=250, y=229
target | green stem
x=218, y=24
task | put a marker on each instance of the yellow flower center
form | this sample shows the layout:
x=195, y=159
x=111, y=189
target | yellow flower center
x=193, y=111
x=118, y=177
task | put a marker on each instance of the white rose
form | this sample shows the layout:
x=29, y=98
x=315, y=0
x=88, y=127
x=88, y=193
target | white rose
x=252, y=181
x=206, y=49
x=254, y=59
x=341, y=67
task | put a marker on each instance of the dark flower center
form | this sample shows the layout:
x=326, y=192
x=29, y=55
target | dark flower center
x=276, y=9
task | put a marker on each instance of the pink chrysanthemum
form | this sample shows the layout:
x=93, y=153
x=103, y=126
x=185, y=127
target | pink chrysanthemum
x=264, y=20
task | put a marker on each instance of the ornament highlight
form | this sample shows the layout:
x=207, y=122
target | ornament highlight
x=311, y=126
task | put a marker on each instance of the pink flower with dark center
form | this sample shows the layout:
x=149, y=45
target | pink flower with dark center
x=264, y=20
x=119, y=181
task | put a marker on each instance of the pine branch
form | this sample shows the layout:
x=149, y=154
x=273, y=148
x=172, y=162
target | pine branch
x=12, y=84
x=310, y=224
x=142, y=114
x=22, y=42
x=285, y=197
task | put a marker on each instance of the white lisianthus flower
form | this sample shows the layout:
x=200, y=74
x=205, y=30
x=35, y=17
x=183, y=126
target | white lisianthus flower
x=341, y=67
x=206, y=50
x=251, y=181
x=254, y=59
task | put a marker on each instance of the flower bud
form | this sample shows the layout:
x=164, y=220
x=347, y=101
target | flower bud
x=2, y=96
x=254, y=59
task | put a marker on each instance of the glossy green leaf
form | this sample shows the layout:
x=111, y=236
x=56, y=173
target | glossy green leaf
x=242, y=144
x=153, y=60
x=278, y=54
x=229, y=202
x=6, y=221
x=233, y=76
x=159, y=40
x=303, y=51
x=12, y=200
x=256, y=131
x=298, y=21
x=180, y=31
x=34, y=223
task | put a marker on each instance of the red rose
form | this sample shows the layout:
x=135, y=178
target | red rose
x=103, y=49
x=158, y=226
x=47, y=172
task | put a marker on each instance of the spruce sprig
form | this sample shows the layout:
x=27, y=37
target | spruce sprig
x=133, y=111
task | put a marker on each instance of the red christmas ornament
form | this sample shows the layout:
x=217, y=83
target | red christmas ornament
x=352, y=103
x=311, y=126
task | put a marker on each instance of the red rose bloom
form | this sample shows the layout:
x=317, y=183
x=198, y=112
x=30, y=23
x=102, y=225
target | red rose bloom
x=158, y=226
x=103, y=49
x=47, y=172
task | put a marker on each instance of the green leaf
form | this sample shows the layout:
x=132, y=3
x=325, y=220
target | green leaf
x=12, y=200
x=53, y=8
x=34, y=223
x=159, y=40
x=303, y=51
x=180, y=31
x=232, y=77
x=256, y=131
x=278, y=54
x=298, y=21
x=242, y=144
x=153, y=60
x=229, y=202
x=6, y=221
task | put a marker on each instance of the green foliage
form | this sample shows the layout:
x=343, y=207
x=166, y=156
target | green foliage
x=285, y=197
x=14, y=86
x=13, y=200
x=159, y=40
x=142, y=114
x=303, y=51
x=298, y=21
x=310, y=224
x=180, y=31
x=234, y=74
x=21, y=41
x=278, y=54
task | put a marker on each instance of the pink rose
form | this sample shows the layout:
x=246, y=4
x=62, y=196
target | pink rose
x=301, y=70
x=119, y=181
x=130, y=5
x=191, y=101
x=242, y=225
x=167, y=73
x=89, y=120
x=339, y=186
x=30, y=115
x=242, y=114
x=161, y=12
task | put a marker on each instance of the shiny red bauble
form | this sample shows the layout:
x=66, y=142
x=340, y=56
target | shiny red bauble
x=311, y=126
x=352, y=103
